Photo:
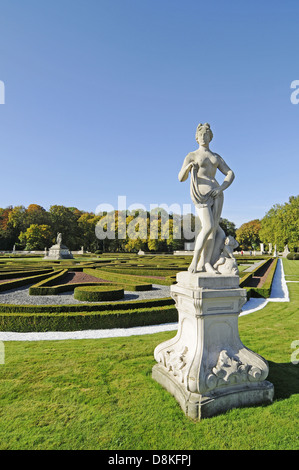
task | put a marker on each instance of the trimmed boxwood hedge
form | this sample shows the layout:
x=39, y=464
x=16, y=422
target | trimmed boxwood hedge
x=50, y=281
x=247, y=277
x=48, y=286
x=129, y=318
x=77, y=308
x=91, y=315
x=98, y=293
x=55, y=290
x=265, y=289
x=14, y=284
x=23, y=273
x=293, y=255
x=135, y=275
x=131, y=283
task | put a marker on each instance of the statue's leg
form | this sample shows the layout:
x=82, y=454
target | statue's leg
x=216, y=238
x=209, y=247
x=201, y=262
x=218, y=246
x=206, y=219
x=220, y=261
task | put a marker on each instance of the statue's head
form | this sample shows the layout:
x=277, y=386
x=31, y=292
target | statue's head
x=231, y=242
x=203, y=134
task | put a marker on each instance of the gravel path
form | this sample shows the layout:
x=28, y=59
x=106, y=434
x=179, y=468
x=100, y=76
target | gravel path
x=21, y=296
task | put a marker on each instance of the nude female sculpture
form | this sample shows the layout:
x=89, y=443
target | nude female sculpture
x=207, y=196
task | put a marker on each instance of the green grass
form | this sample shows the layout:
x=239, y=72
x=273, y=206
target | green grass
x=99, y=394
x=291, y=270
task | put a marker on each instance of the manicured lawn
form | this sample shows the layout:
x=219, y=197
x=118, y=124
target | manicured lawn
x=291, y=270
x=98, y=394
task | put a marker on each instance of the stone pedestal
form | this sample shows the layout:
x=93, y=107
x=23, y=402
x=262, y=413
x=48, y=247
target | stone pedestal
x=57, y=252
x=206, y=366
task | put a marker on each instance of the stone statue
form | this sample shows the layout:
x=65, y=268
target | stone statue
x=58, y=251
x=59, y=238
x=227, y=263
x=207, y=196
x=206, y=367
x=286, y=251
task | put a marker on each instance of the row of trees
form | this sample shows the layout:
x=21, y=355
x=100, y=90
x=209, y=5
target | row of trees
x=280, y=227
x=34, y=228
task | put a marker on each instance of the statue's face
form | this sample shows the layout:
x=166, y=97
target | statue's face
x=204, y=137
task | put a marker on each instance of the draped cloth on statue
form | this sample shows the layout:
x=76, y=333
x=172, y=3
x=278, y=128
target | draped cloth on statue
x=198, y=199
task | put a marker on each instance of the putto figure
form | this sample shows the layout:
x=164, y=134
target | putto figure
x=227, y=263
x=207, y=196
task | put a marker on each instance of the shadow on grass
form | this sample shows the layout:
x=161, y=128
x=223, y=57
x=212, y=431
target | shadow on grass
x=285, y=378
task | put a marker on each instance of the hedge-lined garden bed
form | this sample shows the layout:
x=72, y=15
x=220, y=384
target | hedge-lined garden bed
x=123, y=272
x=258, y=282
x=91, y=307
x=130, y=283
x=99, y=293
x=23, y=281
x=38, y=322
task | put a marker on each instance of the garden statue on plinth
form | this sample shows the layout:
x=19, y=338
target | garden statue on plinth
x=58, y=251
x=206, y=366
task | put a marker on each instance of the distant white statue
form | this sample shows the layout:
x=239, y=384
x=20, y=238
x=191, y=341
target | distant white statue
x=58, y=251
x=207, y=196
x=286, y=251
x=59, y=238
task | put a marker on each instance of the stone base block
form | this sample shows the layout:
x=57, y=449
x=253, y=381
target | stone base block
x=197, y=406
x=206, y=367
x=57, y=252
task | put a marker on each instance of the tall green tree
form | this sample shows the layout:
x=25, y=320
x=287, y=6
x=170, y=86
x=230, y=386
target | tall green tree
x=248, y=235
x=86, y=224
x=228, y=227
x=280, y=226
x=7, y=234
x=36, y=214
x=64, y=220
x=36, y=237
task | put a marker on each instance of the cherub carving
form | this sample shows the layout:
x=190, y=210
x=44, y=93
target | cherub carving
x=227, y=263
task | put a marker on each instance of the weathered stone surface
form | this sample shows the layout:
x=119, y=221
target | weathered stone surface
x=207, y=196
x=58, y=251
x=206, y=366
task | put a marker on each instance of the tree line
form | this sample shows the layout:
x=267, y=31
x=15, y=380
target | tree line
x=280, y=227
x=35, y=228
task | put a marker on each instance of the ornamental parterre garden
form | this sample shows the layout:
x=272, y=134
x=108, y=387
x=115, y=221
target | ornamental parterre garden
x=99, y=393
x=106, y=291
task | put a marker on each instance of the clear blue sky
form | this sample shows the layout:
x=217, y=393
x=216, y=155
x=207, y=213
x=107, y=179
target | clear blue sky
x=102, y=98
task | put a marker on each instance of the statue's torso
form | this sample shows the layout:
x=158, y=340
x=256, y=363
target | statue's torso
x=207, y=166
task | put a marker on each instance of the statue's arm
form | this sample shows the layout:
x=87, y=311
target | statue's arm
x=229, y=176
x=229, y=251
x=186, y=167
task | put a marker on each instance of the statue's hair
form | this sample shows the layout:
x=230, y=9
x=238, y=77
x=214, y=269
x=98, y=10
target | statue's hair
x=202, y=127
